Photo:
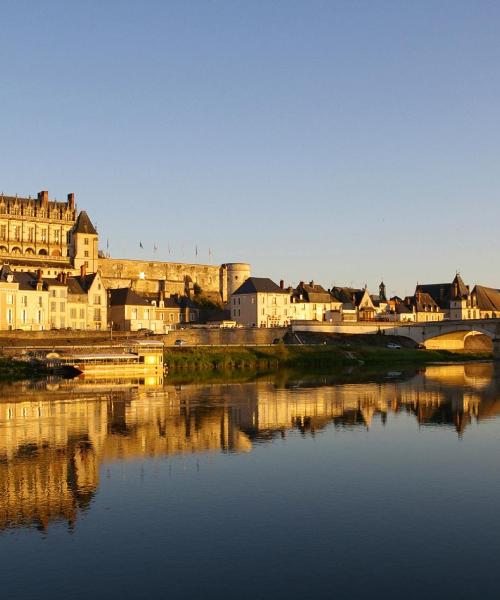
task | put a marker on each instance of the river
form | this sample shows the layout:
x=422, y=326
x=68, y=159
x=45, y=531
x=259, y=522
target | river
x=298, y=486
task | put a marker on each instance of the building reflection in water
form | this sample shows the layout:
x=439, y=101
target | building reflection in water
x=54, y=437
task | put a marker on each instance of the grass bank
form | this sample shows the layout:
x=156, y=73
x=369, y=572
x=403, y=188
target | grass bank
x=11, y=369
x=270, y=358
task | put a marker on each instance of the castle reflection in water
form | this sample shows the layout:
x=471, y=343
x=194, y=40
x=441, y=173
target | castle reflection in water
x=55, y=437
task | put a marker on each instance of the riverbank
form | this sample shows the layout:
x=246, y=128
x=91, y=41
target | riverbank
x=300, y=357
x=12, y=369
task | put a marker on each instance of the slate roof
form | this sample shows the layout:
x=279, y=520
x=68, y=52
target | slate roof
x=312, y=292
x=80, y=285
x=84, y=224
x=444, y=293
x=122, y=296
x=487, y=298
x=423, y=302
x=254, y=285
x=345, y=295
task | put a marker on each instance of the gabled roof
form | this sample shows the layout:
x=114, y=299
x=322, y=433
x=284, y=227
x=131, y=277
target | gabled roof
x=123, y=296
x=81, y=284
x=254, y=285
x=487, y=298
x=423, y=302
x=312, y=292
x=84, y=224
x=444, y=293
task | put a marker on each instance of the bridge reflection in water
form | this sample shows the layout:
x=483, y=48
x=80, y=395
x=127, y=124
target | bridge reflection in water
x=56, y=436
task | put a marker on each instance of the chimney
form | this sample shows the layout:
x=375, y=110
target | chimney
x=71, y=201
x=39, y=280
x=83, y=271
x=43, y=197
x=282, y=284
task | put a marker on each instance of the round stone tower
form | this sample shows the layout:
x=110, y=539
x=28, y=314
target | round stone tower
x=232, y=276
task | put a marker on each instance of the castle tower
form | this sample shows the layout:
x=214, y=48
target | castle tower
x=232, y=276
x=84, y=244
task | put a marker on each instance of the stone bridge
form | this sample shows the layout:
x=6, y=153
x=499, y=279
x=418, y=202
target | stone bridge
x=443, y=335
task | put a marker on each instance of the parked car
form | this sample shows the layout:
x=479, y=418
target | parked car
x=393, y=346
x=180, y=342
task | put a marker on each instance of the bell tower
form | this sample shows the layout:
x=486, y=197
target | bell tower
x=381, y=292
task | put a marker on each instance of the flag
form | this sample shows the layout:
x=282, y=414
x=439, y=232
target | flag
x=107, y=244
x=155, y=247
x=140, y=245
x=209, y=254
x=169, y=248
x=196, y=249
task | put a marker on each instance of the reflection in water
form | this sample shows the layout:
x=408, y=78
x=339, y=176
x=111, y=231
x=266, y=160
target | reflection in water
x=54, y=436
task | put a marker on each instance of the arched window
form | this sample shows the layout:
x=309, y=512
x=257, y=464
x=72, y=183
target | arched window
x=42, y=252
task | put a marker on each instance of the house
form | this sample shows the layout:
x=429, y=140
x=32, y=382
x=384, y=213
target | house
x=425, y=307
x=486, y=300
x=453, y=298
x=401, y=312
x=259, y=302
x=357, y=304
x=130, y=311
x=311, y=302
x=87, y=302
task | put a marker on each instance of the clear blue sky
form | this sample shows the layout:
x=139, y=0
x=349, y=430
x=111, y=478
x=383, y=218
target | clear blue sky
x=334, y=141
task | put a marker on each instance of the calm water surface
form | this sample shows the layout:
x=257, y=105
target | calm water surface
x=276, y=489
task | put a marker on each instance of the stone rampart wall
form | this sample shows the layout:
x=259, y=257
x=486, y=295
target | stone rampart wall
x=154, y=276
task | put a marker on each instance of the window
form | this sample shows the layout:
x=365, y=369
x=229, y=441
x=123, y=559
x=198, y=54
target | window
x=23, y=316
x=82, y=313
x=57, y=236
x=134, y=313
x=86, y=263
x=17, y=232
x=97, y=299
x=53, y=293
x=40, y=300
x=86, y=253
x=86, y=241
x=72, y=313
x=3, y=232
x=146, y=313
x=10, y=299
x=24, y=300
x=53, y=307
x=63, y=306
x=31, y=234
x=9, y=316
x=97, y=314
x=43, y=235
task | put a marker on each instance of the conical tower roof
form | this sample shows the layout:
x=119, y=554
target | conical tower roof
x=84, y=224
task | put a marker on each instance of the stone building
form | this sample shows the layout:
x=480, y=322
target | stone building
x=259, y=302
x=52, y=236
x=31, y=302
x=130, y=311
x=453, y=298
